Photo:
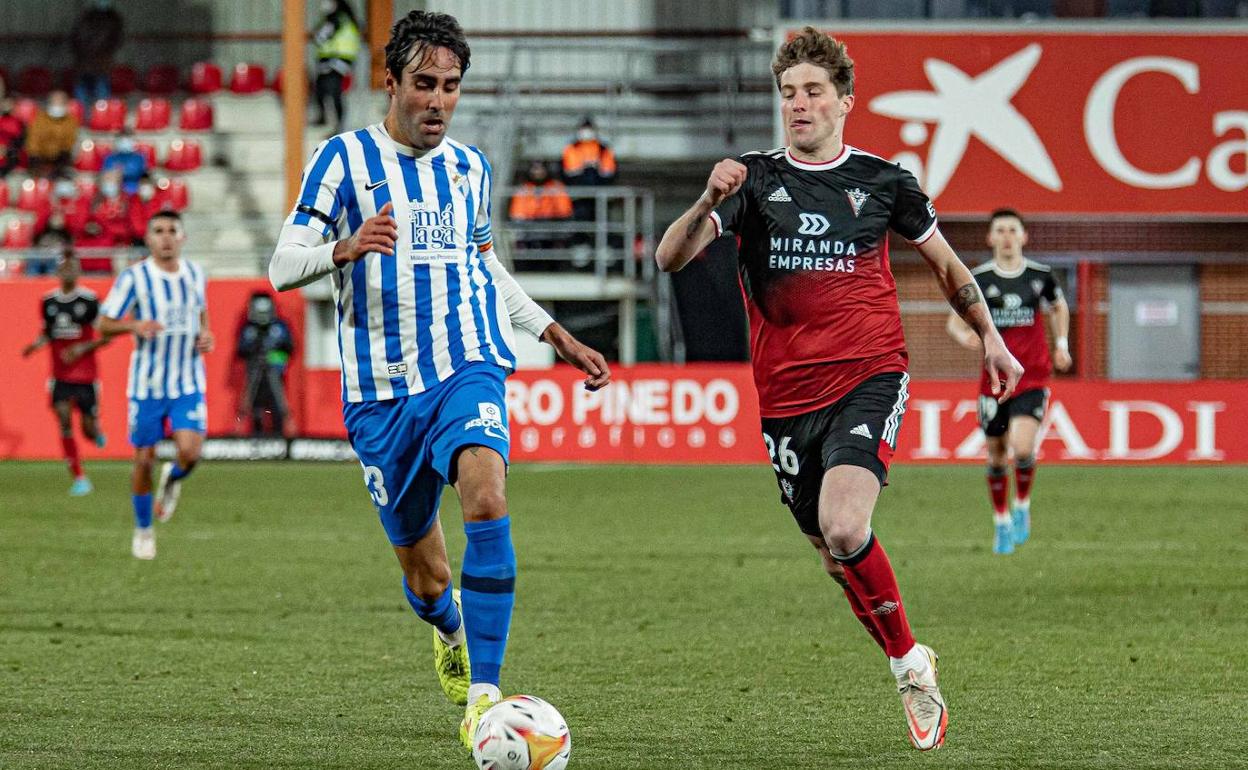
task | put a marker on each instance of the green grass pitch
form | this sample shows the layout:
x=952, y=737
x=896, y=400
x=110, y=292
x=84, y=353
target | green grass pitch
x=674, y=615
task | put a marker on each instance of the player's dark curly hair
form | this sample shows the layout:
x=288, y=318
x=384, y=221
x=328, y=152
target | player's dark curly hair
x=810, y=46
x=418, y=33
x=1006, y=212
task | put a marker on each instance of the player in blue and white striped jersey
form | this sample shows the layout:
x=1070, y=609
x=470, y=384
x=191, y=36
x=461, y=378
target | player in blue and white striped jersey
x=398, y=215
x=162, y=302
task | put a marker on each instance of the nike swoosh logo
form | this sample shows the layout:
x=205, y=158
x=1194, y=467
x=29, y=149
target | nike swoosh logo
x=914, y=726
x=375, y=185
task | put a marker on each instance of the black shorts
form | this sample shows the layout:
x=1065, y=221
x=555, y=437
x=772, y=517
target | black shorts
x=859, y=429
x=995, y=418
x=82, y=394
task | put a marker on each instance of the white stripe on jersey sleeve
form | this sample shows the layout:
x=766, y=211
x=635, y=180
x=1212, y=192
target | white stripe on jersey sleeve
x=372, y=272
x=115, y=305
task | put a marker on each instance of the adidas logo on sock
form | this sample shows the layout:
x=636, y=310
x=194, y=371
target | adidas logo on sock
x=862, y=430
x=780, y=195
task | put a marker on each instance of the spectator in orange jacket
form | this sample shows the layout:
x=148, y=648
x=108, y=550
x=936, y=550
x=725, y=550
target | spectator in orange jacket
x=50, y=140
x=539, y=199
x=587, y=160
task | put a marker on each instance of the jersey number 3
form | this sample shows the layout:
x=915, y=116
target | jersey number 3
x=376, y=484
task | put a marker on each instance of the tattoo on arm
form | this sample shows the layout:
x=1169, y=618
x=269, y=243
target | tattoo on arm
x=965, y=297
x=692, y=230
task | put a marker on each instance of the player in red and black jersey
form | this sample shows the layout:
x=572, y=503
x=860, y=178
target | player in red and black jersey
x=829, y=356
x=69, y=315
x=1018, y=291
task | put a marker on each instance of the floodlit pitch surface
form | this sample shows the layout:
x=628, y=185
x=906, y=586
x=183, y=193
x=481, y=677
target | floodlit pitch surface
x=674, y=615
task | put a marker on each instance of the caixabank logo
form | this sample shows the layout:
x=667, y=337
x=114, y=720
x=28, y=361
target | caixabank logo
x=1059, y=120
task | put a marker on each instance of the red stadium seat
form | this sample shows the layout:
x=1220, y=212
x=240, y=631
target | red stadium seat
x=123, y=80
x=25, y=110
x=148, y=151
x=107, y=115
x=19, y=234
x=347, y=81
x=278, y=78
x=4, y=194
x=91, y=155
x=161, y=80
x=196, y=115
x=153, y=115
x=75, y=109
x=87, y=187
x=247, y=78
x=205, y=78
x=35, y=195
x=173, y=193
x=66, y=79
x=184, y=155
x=34, y=81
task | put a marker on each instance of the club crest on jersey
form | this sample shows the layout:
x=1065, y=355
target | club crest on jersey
x=992, y=291
x=786, y=486
x=432, y=230
x=1037, y=286
x=856, y=198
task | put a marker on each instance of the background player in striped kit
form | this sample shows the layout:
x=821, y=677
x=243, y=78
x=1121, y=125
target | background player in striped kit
x=398, y=215
x=165, y=297
x=1017, y=291
x=69, y=315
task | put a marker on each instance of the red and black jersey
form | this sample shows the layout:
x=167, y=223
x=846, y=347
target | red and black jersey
x=813, y=262
x=69, y=319
x=1015, y=300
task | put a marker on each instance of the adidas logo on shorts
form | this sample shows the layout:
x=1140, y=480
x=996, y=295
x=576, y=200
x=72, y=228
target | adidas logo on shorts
x=862, y=430
x=780, y=195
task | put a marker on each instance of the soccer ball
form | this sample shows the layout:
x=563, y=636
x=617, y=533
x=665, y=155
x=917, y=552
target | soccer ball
x=522, y=733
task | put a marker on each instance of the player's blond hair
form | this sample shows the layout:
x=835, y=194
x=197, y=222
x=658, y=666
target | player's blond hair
x=810, y=46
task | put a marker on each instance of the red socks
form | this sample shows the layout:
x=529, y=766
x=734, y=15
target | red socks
x=1023, y=474
x=70, y=447
x=865, y=618
x=999, y=488
x=872, y=580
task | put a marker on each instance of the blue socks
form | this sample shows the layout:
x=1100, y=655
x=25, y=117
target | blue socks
x=142, y=510
x=441, y=612
x=488, y=591
x=178, y=473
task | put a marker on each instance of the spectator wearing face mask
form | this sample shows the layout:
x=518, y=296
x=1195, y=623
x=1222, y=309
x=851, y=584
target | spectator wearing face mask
x=66, y=202
x=587, y=160
x=12, y=136
x=129, y=161
x=144, y=203
x=108, y=220
x=50, y=141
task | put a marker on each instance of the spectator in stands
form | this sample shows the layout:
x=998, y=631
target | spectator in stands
x=265, y=344
x=107, y=224
x=50, y=140
x=587, y=162
x=337, y=45
x=142, y=205
x=94, y=40
x=12, y=136
x=126, y=158
x=539, y=199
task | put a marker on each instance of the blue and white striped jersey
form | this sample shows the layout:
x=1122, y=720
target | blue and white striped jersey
x=409, y=321
x=168, y=365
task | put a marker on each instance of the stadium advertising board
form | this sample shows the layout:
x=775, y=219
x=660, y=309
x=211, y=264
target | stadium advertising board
x=708, y=414
x=1056, y=120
